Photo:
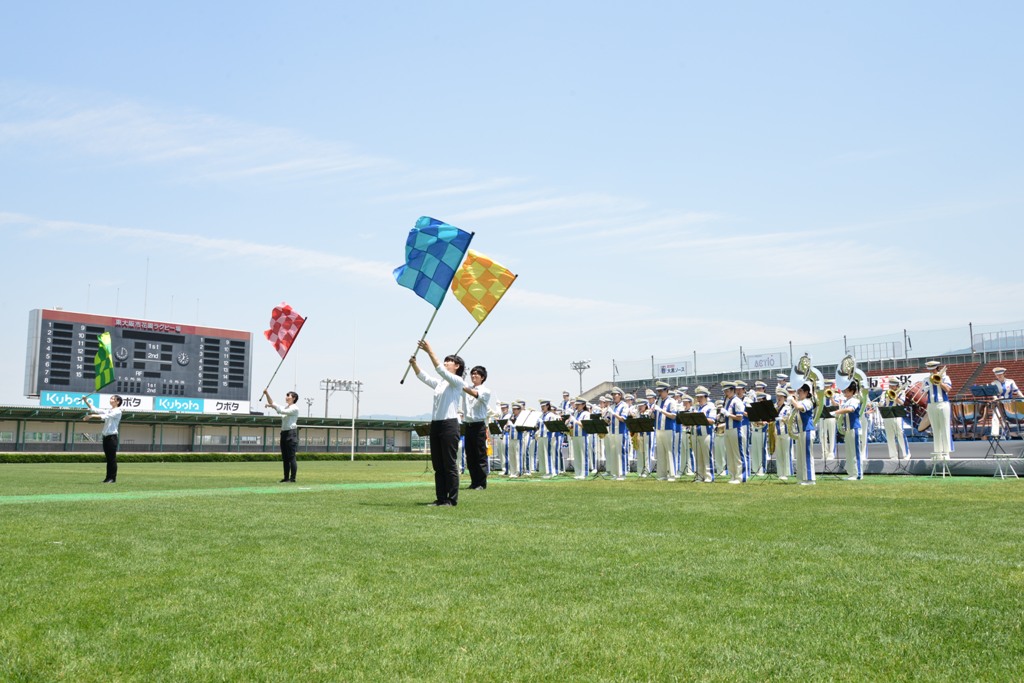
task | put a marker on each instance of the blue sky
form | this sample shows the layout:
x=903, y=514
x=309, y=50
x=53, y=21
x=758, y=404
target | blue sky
x=618, y=157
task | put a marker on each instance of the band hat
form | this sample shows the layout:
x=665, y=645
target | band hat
x=605, y=398
x=650, y=394
x=629, y=397
x=684, y=389
x=662, y=385
x=999, y=371
x=687, y=397
x=544, y=402
x=579, y=399
x=565, y=393
x=701, y=391
x=759, y=384
x=503, y=405
x=728, y=385
x=740, y=384
x=517, y=404
x=616, y=390
x=641, y=401
x=675, y=392
x=932, y=364
x=782, y=378
x=893, y=381
x=781, y=391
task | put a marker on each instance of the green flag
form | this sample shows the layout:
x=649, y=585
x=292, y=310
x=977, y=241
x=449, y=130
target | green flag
x=104, y=362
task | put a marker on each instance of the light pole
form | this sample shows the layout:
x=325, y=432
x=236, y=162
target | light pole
x=354, y=386
x=329, y=386
x=580, y=366
x=309, y=407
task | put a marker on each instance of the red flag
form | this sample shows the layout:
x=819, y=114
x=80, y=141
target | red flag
x=285, y=324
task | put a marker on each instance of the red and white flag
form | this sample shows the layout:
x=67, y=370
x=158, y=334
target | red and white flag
x=285, y=324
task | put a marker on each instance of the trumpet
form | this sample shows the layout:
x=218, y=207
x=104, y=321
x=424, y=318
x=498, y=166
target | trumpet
x=829, y=393
x=891, y=395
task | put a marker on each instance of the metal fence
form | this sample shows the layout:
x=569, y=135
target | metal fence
x=997, y=341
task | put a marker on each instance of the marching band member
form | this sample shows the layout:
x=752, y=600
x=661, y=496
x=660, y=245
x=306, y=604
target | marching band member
x=565, y=410
x=685, y=439
x=545, y=443
x=783, y=444
x=758, y=453
x=895, y=436
x=604, y=405
x=579, y=448
x=704, y=437
x=616, y=446
x=938, y=411
x=1007, y=388
x=642, y=439
x=782, y=382
x=664, y=410
x=719, y=447
x=735, y=413
x=515, y=443
x=677, y=429
x=827, y=426
x=499, y=442
x=803, y=402
x=856, y=444
x=567, y=403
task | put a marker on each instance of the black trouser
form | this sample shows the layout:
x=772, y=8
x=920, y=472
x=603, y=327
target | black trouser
x=289, y=444
x=476, y=453
x=444, y=454
x=110, y=451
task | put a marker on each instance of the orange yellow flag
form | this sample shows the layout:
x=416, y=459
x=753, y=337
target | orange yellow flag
x=480, y=283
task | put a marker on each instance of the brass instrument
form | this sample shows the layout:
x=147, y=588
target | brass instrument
x=772, y=437
x=794, y=425
x=829, y=393
x=937, y=378
x=890, y=395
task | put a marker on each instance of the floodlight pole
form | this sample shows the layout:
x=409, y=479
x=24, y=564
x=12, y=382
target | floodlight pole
x=309, y=407
x=353, y=386
x=580, y=366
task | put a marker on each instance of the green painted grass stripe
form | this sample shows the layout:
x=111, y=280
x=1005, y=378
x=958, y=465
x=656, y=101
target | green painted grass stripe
x=184, y=493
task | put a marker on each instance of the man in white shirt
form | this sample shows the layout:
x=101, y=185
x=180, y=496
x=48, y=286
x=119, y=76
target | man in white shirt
x=938, y=411
x=478, y=398
x=111, y=424
x=289, y=433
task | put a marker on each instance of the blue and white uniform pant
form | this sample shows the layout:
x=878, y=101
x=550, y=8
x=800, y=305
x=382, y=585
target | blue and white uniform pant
x=783, y=455
x=938, y=413
x=616, y=454
x=855, y=451
x=666, y=462
x=758, y=449
x=734, y=452
x=896, y=438
x=578, y=446
x=702, y=445
x=805, y=456
x=827, y=433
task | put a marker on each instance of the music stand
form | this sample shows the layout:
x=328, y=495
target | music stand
x=764, y=411
x=599, y=427
x=640, y=425
x=558, y=427
x=829, y=412
x=424, y=430
x=497, y=428
x=887, y=412
x=694, y=419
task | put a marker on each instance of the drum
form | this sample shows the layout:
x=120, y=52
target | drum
x=917, y=405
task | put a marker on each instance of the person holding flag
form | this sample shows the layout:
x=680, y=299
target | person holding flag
x=289, y=433
x=444, y=424
x=111, y=424
x=103, y=363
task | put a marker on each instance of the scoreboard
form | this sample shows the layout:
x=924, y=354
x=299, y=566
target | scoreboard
x=158, y=366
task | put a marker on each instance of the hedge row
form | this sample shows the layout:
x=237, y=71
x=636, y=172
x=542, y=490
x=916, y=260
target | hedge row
x=200, y=457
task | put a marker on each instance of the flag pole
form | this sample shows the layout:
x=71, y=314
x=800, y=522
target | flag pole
x=409, y=367
x=304, y=321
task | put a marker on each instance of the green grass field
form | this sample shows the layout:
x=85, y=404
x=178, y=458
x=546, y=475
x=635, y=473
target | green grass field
x=214, y=572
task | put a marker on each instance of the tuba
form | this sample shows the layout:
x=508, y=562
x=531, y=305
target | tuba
x=847, y=373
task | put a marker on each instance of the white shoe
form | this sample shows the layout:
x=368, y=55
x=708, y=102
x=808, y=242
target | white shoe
x=783, y=478
x=620, y=479
x=579, y=476
x=735, y=481
x=671, y=479
x=806, y=483
x=851, y=479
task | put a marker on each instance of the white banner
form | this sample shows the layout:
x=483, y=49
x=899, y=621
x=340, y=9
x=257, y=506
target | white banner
x=676, y=369
x=767, y=361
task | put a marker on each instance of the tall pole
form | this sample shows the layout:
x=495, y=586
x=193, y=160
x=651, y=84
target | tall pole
x=580, y=366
